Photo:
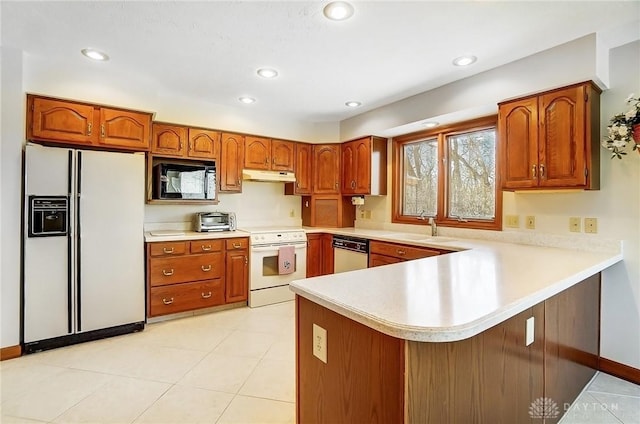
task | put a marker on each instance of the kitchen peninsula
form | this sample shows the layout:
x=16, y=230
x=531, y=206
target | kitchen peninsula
x=485, y=334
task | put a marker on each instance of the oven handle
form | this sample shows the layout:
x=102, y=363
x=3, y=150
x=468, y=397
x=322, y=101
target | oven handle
x=272, y=248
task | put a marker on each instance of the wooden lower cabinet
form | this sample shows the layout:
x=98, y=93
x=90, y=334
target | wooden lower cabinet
x=319, y=254
x=188, y=275
x=383, y=253
x=492, y=377
x=328, y=210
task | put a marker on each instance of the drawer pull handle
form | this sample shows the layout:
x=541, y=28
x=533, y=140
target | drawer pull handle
x=534, y=171
x=89, y=128
x=167, y=302
x=102, y=132
x=206, y=296
x=237, y=245
x=206, y=268
x=401, y=252
x=167, y=273
x=206, y=248
x=168, y=250
x=542, y=170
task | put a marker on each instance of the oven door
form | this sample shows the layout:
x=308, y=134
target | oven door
x=264, y=266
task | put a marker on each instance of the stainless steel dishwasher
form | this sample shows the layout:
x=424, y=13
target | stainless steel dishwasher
x=350, y=253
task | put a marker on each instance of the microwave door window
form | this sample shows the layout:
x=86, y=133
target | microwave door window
x=192, y=185
x=210, y=182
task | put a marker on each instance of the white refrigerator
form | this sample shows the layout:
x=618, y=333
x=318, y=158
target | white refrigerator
x=83, y=245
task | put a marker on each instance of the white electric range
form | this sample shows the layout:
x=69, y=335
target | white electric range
x=266, y=284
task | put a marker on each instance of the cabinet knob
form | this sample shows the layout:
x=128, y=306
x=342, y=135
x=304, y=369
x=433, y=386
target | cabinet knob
x=102, y=131
x=167, y=273
x=167, y=302
x=89, y=128
x=206, y=296
x=353, y=184
x=167, y=250
x=542, y=170
x=336, y=185
x=246, y=259
x=401, y=252
x=206, y=268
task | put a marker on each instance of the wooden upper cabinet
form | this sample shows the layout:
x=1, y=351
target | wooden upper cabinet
x=282, y=155
x=124, y=129
x=203, y=144
x=257, y=153
x=326, y=168
x=168, y=139
x=60, y=121
x=551, y=140
x=268, y=154
x=302, y=167
x=70, y=122
x=231, y=161
x=364, y=166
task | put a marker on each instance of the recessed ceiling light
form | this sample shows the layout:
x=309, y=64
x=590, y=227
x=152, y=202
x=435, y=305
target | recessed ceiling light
x=353, y=104
x=95, y=54
x=247, y=100
x=464, y=60
x=338, y=10
x=430, y=124
x=267, y=73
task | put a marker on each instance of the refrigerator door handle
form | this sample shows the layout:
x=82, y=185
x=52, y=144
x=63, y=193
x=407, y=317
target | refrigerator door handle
x=69, y=248
x=78, y=245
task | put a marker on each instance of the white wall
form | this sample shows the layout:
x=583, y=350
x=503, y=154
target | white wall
x=12, y=136
x=616, y=204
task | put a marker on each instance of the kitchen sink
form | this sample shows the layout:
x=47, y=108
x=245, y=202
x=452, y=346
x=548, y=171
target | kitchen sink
x=421, y=237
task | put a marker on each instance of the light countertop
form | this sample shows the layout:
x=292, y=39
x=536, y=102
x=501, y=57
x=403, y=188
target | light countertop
x=454, y=296
x=178, y=235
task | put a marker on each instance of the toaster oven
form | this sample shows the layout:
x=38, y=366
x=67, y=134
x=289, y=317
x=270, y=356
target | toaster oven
x=214, y=221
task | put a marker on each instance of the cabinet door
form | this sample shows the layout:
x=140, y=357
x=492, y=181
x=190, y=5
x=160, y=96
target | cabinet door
x=326, y=170
x=282, y=154
x=349, y=168
x=231, y=161
x=168, y=140
x=562, y=138
x=125, y=129
x=327, y=254
x=303, y=167
x=314, y=255
x=379, y=260
x=203, y=144
x=518, y=134
x=58, y=120
x=362, y=177
x=237, y=276
x=257, y=153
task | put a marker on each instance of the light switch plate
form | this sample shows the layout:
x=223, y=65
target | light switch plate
x=320, y=343
x=530, y=331
x=512, y=221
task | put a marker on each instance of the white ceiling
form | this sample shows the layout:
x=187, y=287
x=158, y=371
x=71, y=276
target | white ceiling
x=387, y=51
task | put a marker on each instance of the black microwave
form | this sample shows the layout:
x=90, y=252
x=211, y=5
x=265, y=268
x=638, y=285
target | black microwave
x=172, y=180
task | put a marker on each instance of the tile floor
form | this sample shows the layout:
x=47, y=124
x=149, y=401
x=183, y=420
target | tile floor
x=234, y=366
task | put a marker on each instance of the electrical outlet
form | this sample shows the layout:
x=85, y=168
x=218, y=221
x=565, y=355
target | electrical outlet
x=574, y=224
x=512, y=221
x=530, y=222
x=362, y=213
x=320, y=343
x=292, y=213
x=367, y=214
x=591, y=225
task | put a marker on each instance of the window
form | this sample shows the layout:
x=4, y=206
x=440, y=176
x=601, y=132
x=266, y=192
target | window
x=449, y=174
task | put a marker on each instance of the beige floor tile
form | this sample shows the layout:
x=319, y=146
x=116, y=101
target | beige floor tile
x=587, y=410
x=6, y=419
x=284, y=349
x=22, y=376
x=625, y=408
x=120, y=400
x=149, y=362
x=222, y=373
x=51, y=397
x=190, y=334
x=605, y=383
x=249, y=410
x=184, y=405
x=229, y=319
x=266, y=323
x=69, y=356
x=272, y=379
x=246, y=343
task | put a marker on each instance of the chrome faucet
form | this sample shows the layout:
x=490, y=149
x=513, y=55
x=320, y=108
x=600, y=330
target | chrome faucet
x=434, y=227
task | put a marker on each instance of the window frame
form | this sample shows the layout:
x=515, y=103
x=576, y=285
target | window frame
x=441, y=134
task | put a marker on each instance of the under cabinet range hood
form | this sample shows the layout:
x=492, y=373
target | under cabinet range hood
x=268, y=176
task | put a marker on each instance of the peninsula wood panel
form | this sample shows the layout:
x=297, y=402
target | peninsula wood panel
x=572, y=328
x=362, y=381
x=490, y=378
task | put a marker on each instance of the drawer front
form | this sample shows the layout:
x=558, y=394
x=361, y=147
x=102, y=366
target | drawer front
x=400, y=250
x=237, y=243
x=168, y=248
x=164, y=271
x=186, y=296
x=205, y=246
x=379, y=260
